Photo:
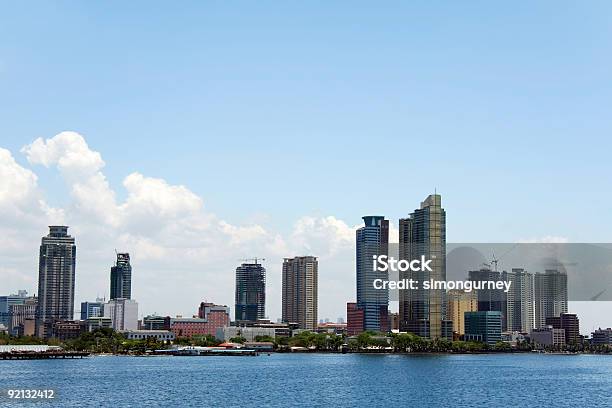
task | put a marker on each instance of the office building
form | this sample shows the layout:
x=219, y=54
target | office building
x=457, y=303
x=6, y=302
x=92, y=309
x=483, y=326
x=423, y=234
x=372, y=240
x=123, y=314
x=250, y=292
x=300, y=291
x=56, y=277
x=21, y=312
x=568, y=322
x=550, y=295
x=520, y=313
x=121, y=278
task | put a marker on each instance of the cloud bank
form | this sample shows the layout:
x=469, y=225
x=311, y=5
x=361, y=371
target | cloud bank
x=182, y=253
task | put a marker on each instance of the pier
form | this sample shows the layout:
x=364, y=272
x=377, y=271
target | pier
x=37, y=352
x=41, y=355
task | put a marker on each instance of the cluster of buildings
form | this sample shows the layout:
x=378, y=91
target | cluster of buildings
x=52, y=314
x=534, y=309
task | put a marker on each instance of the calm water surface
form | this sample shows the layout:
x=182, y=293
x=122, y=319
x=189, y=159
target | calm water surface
x=330, y=380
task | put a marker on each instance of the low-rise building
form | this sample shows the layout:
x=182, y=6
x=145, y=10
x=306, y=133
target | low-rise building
x=280, y=329
x=548, y=336
x=100, y=322
x=154, y=322
x=602, y=337
x=211, y=318
x=332, y=328
x=259, y=345
x=248, y=333
x=66, y=330
x=513, y=337
x=484, y=326
x=159, y=335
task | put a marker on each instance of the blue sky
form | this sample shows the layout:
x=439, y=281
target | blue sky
x=350, y=108
x=274, y=110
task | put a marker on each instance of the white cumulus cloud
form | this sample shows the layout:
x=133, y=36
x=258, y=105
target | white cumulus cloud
x=181, y=252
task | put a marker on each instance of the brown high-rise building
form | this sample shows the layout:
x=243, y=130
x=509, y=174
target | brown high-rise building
x=457, y=303
x=300, y=291
x=423, y=233
x=568, y=322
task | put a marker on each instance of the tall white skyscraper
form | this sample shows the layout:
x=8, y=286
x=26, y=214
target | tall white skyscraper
x=550, y=295
x=520, y=300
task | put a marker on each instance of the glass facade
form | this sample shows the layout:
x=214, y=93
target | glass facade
x=250, y=292
x=372, y=240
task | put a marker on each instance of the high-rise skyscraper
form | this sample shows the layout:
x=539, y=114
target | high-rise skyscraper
x=550, y=295
x=372, y=240
x=423, y=233
x=250, y=292
x=121, y=278
x=490, y=300
x=56, y=273
x=300, y=291
x=520, y=305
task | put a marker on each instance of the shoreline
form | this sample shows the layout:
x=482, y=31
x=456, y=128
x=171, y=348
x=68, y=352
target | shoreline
x=420, y=353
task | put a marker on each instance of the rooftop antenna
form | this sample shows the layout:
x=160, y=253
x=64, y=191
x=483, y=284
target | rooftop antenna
x=255, y=259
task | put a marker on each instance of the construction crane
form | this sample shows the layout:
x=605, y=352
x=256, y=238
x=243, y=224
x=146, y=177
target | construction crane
x=495, y=260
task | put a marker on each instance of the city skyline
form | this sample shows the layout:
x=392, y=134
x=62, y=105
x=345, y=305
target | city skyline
x=548, y=295
x=329, y=193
